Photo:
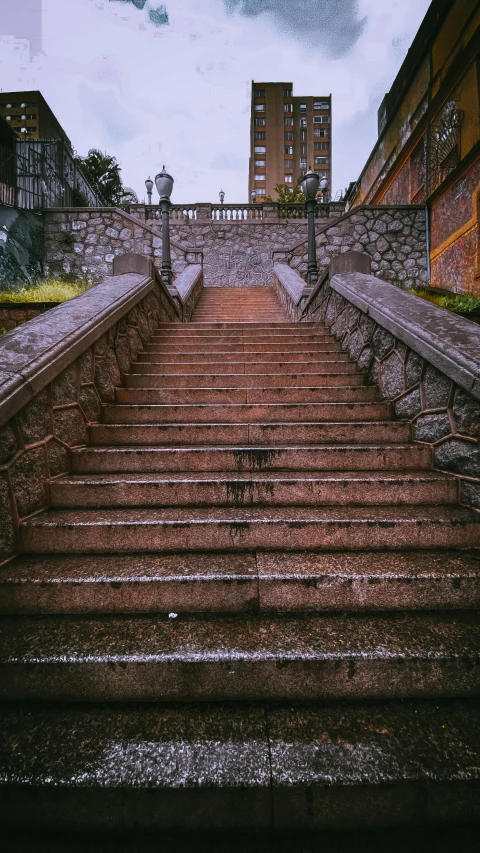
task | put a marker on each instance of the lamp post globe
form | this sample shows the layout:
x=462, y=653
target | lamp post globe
x=149, y=186
x=221, y=196
x=253, y=195
x=324, y=189
x=310, y=185
x=164, y=183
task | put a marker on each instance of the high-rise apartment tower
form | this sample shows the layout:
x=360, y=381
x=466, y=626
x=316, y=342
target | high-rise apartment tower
x=288, y=135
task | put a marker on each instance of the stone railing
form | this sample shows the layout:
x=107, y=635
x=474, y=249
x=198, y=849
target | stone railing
x=259, y=212
x=56, y=373
x=394, y=238
x=86, y=241
x=424, y=359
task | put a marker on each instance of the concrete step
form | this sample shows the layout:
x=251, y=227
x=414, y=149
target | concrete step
x=269, y=346
x=239, y=658
x=262, y=434
x=204, y=582
x=158, y=379
x=330, y=356
x=145, y=396
x=232, y=338
x=291, y=488
x=241, y=528
x=242, y=767
x=247, y=368
x=235, y=329
x=369, y=457
x=235, y=326
x=246, y=413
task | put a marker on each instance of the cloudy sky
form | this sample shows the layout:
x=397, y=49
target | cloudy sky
x=155, y=83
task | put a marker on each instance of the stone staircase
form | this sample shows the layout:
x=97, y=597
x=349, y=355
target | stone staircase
x=248, y=542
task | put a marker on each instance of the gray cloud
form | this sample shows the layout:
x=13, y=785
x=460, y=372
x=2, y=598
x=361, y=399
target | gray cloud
x=331, y=25
x=157, y=16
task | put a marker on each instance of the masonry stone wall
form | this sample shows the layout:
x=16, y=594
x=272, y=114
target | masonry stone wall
x=35, y=443
x=86, y=241
x=443, y=414
x=393, y=237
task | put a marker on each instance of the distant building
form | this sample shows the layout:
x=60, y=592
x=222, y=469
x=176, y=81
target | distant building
x=428, y=147
x=288, y=136
x=30, y=117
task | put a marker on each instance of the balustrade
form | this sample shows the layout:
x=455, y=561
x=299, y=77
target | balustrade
x=259, y=212
x=237, y=212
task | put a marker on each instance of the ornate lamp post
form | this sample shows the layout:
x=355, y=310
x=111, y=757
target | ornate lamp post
x=149, y=186
x=324, y=189
x=221, y=196
x=253, y=196
x=164, y=183
x=310, y=190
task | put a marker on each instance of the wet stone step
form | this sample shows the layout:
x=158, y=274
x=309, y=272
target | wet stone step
x=257, y=394
x=157, y=378
x=240, y=528
x=239, y=658
x=210, y=458
x=252, y=489
x=246, y=413
x=239, y=582
x=242, y=767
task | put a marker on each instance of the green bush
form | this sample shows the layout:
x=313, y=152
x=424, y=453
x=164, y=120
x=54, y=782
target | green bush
x=458, y=303
x=49, y=290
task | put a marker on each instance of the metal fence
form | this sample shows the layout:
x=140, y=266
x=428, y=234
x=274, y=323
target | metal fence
x=7, y=174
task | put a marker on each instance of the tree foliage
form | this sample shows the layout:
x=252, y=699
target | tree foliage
x=288, y=195
x=102, y=171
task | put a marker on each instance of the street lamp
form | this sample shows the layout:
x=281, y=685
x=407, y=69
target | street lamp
x=221, y=196
x=149, y=186
x=164, y=183
x=324, y=189
x=310, y=189
x=254, y=196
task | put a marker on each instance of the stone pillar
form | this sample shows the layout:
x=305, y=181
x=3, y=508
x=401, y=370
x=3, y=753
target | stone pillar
x=349, y=262
x=138, y=211
x=270, y=211
x=204, y=212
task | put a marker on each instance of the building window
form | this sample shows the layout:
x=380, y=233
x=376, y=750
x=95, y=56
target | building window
x=317, y=132
x=303, y=173
x=303, y=162
x=321, y=119
x=260, y=122
x=261, y=178
x=261, y=191
x=288, y=135
x=288, y=108
x=321, y=146
x=321, y=174
x=287, y=93
x=289, y=179
x=289, y=164
x=259, y=108
x=303, y=149
x=260, y=134
x=303, y=122
x=303, y=135
x=260, y=149
x=288, y=149
x=288, y=122
x=303, y=108
x=8, y=118
x=321, y=105
x=259, y=164
x=321, y=161
x=259, y=93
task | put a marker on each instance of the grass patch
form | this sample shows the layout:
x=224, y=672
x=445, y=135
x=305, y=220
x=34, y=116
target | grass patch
x=50, y=290
x=458, y=303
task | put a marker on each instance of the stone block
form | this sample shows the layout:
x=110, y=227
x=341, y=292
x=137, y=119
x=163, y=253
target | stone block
x=33, y=419
x=113, y=367
x=392, y=382
x=466, y=413
x=366, y=326
x=365, y=358
x=436, y=388
x=470, y=493
x=414, y=368
x=409, y=405
x=103, y=381
x=86, y=366
x=460, y=457
x=7, y=528
x=355, y=344
x=8, y=444
x=432, y=428
x=28, y=476
x=58, y=459
x=382, y=342
x=122, y=351
x=69, y=426
x=90, y=403
x=64, y=387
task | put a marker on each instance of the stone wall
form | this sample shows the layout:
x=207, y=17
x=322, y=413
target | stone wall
x=393, y=237
x=38, y=430
x=13, y=314
x=85, y=241
x=427, y=362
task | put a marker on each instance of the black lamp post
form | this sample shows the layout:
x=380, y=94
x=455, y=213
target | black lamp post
x=149, y=186
x=310, y=189
x=324, y=189
x=164, y=184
